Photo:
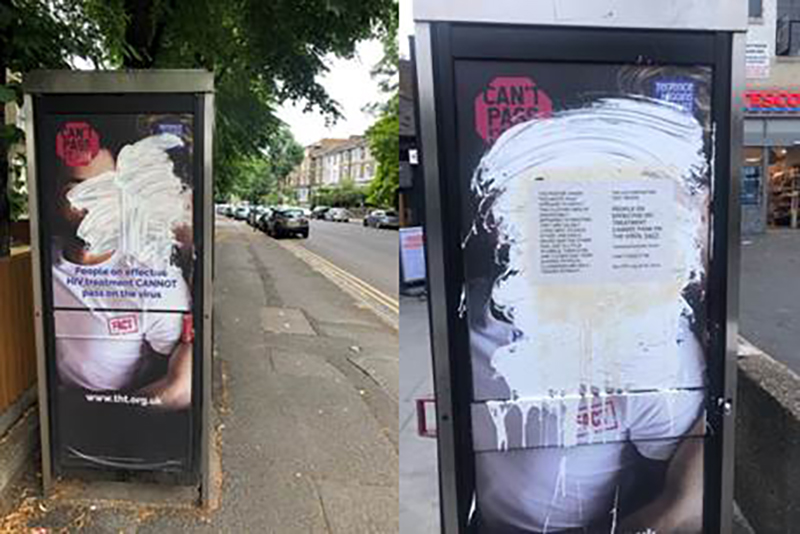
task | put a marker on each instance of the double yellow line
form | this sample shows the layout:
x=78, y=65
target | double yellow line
x=363, y=290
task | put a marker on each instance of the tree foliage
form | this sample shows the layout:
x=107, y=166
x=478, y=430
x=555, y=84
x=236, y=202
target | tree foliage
x=383, y=135
x=34, y=34
x=345, y=195
x=261, y=178
x=384, y=143
x=261, y=53
x=387, y=68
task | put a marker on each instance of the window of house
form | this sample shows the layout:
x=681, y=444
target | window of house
x=755, y=8
x=787, y=35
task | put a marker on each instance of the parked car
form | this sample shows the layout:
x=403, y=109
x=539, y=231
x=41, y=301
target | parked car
x=319, y=212
x=241, y=213
x=287, y=220
x=261, y=220
x=255, y=213
x=337, y=215
x=382, y=219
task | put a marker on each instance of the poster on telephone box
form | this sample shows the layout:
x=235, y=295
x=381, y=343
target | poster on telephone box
x=585, y=203
x=116, y=204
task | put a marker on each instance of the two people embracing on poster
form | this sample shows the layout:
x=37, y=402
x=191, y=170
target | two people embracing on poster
x=122, y=258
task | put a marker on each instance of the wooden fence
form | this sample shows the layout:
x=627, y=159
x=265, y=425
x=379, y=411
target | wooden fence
x=17, y=341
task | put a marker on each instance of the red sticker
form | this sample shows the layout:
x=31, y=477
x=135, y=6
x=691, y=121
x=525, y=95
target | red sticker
x=124, y=324
x=77, y=144
x=602, y=417
x=507, y=101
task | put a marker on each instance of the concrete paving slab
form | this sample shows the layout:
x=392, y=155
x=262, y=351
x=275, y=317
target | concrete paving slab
x=419, y=489
x=303, y=287
x=303, y=364
x=355, y=509
x=338, y=435
x=419, y=484
x=285, y=321
x=369, y=334
x=385, y=370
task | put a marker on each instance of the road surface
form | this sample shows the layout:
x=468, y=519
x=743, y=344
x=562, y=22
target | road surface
x=367, y=253
x=769, y=300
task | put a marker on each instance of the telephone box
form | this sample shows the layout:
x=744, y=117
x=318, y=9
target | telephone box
x=119, y=171
x=582, y=166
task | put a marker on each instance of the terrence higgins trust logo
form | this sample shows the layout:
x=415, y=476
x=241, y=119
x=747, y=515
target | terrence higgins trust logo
x=77, y=143
x=506, y=101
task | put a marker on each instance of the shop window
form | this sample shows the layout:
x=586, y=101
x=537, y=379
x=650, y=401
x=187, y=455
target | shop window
x=752, y=176
x=783, y=208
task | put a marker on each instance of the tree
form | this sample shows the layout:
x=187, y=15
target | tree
x=384, y=142
x=284, y=154
x=261, y=53
x=386, y=70
x=261, y=178
x=345, y=195
x=383, y=135
x=34, y=34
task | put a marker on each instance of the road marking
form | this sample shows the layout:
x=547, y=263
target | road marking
x=385, y=306
x=379, y=295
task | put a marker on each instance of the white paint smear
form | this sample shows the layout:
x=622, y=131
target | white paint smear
x=135, y=209
x=607, y=335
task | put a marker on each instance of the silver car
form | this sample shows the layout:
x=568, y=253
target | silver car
x=382, y=219
x=337, y=215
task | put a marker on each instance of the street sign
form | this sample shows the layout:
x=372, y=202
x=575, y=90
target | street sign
x=772, y=101
x=412, y=254
x=119, y=172
x=582, y=245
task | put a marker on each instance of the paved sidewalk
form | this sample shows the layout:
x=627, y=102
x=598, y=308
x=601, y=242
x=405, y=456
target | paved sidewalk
x=309, y=439
x=769, y=300
x=419, y=489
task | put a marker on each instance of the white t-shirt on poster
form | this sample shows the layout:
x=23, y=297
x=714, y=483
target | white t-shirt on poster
x=555, y=487
x=100, y=341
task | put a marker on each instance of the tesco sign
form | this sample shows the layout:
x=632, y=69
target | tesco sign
x=772, y=100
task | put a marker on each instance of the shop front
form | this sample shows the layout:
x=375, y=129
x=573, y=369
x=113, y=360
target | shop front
x=770, y=189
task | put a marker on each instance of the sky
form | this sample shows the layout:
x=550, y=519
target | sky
x=350, y=84
x=406, y=26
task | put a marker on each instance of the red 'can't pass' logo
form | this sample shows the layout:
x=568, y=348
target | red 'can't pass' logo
x=507, y=101
x=77, y=143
